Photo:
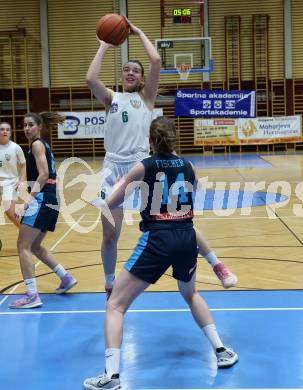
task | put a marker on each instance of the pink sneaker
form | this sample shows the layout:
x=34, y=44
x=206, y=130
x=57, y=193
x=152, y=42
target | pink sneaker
x=227, y=278
x=67, y=282
x=27, y=301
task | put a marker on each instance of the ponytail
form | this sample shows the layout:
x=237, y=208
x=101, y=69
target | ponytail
x=163, y=134
x=51, y=119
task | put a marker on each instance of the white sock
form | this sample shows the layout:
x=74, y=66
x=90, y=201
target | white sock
x=212, y=259
x=109, y=279
x=112, y=361
x=60, y=271
x=211, y=333
x=31, y=286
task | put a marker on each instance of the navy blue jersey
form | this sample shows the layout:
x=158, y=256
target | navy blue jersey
x=170, y=181
x=32, y=171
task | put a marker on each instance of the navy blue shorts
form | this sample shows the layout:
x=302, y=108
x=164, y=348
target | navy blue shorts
x=157, y=250
x=42, y=212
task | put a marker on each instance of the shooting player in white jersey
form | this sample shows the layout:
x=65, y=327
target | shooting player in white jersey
x=126, y=141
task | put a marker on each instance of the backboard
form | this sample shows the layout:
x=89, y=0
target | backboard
x=193, y=52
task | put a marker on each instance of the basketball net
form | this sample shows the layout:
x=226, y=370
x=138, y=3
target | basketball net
x=183, y=71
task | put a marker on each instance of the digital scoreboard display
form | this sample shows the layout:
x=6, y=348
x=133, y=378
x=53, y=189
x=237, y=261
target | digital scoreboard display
x=181, y=15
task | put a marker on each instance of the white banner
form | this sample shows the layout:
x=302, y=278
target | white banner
x=214, y=131
x=269, y=127
x=89, y=124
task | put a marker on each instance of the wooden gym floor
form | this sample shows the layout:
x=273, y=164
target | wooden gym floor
x=262, y=245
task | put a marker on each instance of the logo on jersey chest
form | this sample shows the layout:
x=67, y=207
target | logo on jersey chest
x=135, y=103
x=7, y=157
x=114, y=108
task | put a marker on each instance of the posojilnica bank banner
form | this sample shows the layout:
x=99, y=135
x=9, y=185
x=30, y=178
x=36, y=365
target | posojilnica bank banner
x=248, y=131
x=87, y=124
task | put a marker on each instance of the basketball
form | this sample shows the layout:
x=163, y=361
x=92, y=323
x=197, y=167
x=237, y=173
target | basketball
x=113, y=29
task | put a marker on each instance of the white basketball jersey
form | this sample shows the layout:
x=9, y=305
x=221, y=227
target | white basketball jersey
x=11, y=155
x=126, y=134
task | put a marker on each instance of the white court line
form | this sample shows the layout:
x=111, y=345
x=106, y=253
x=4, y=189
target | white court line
x=150, y=310
x=39, y=262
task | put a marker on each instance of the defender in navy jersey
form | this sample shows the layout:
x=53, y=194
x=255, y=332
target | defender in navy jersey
x=171, y=181
x=40, y=212
x=168, y=239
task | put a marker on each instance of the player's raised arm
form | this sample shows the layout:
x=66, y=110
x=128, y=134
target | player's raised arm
x=150, y=89
x=102, y=93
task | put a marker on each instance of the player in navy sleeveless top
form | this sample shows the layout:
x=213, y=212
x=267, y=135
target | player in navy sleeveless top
x=33, y=172
x=40, y=212
x=173, y=204
x=168, y=239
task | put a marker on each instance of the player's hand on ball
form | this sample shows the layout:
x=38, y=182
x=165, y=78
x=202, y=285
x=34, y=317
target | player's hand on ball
x=105, y=44
x=133, y=29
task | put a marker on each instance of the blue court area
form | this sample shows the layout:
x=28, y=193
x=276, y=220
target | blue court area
x=58, y=346
x=229, y=161
x=230, y=199
x=221, y=199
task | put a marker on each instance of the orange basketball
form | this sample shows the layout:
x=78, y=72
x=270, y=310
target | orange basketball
x=112, y=28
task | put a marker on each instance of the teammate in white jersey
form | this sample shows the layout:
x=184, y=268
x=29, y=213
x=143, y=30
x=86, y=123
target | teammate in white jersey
x=126, y=141
x=12, y=172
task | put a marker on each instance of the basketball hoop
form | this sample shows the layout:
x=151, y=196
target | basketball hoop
x=183, y=70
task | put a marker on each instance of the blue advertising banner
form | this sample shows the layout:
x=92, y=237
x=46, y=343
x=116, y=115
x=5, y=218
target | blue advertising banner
x=215, y=104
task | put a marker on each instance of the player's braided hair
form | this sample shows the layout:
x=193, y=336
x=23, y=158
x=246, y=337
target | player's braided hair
x=163, y=134
x=46, y=119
